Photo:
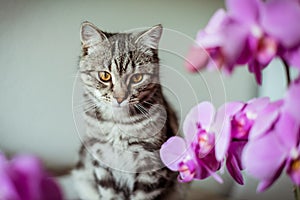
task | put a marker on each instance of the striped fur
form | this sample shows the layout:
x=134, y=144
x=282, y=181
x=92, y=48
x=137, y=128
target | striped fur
x=119, y=158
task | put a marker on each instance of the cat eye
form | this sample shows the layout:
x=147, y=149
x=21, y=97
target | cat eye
x=137, y=78
x=104, y=76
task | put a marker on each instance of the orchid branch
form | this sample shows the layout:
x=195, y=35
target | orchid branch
x=287, y=71
x=296, y=192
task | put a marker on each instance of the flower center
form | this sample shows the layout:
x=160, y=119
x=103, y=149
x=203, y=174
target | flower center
x=204, y=143
x=241, y=125
x=295, y=165
x=217, y=56
x=266, y=49
x=187, y=169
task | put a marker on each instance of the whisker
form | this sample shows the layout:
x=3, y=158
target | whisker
x=148, y=103
x=84, y=104
x=144, y=111
x=86, y=108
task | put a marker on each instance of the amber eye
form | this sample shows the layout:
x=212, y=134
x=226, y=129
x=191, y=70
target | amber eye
x=137, y=78
x=104, y=76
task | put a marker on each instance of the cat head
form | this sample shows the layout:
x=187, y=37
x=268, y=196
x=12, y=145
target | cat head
x=119, y=69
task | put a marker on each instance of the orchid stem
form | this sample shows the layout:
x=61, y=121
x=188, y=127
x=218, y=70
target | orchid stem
x=287, y=72
x=296, y=192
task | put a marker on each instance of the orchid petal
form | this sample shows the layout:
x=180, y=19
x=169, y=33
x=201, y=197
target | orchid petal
x=256, y=105
x=216, y=21
x=287, y=129
x=196, y=59
x=223, y=140
x=236, y=150
x=261, y=159
x=291, y=101
x=209, y=40
x=265, y=184
x=255, y=67
x=7, y=188
x=272, y=21
x=231, y=48
x=50, y=190
x=173, y=151
x=28, y=174
x=265, y=119
x=203, y=115
x=293, y=58
x=247, y=11
x=211, y=36
x=223, y=127
x=233, y=169
x=212, y=173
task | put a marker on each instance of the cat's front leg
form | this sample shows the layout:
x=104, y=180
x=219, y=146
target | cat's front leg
x=106, y=184
x=85, y=184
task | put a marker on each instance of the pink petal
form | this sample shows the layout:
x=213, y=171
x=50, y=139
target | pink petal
x=288, y=131
x=212, y=173
x=265, y=120
x=291, y=100
x=229, y=109
x=234, y=42
x=223, y=127
x=276, y=14
x=233, y=169
x=236, y=150
x=50, y=190
x=223, y=140
x=246, y=11
x=7, y=187
x=27, y=173
x=261, y=159
x=293, y=58
x=257, y=104
x=265, y=184
x=216, y=21
x=212, y=36
x=196, y=59
x=172, y=152
x=255, y=67
x=202, y=114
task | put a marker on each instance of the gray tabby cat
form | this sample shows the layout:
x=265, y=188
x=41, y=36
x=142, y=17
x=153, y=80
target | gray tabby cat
x=127, y=116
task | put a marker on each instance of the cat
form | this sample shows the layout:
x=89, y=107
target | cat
x=127, y=118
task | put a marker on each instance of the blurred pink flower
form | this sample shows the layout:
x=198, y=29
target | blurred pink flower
x=274, y=141
x=219, y=40
x=234, y=121
x=251, y=32
x=193, y=157
x=23, y=178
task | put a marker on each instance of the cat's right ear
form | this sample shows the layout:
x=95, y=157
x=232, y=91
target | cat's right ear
x=90, y=35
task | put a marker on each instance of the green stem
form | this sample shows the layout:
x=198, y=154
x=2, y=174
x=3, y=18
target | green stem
x=296, y=192
x=287, y=72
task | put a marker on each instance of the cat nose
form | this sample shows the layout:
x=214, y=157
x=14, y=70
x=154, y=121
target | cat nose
x=120, y=99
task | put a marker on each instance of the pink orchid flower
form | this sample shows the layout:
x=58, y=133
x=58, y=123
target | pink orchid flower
x=23, y=178
x=274, y=141
x=194, y=156
x=234, y=121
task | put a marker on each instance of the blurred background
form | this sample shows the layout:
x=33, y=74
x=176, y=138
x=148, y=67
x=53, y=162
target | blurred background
x=39, y=54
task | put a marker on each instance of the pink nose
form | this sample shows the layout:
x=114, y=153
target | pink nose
x=120, y=99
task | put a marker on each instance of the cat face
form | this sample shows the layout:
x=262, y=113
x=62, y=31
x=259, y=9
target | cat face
x=119, y=69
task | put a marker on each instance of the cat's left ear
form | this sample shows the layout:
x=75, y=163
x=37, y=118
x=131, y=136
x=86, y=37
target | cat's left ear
x=150, y=38
x=90, y=34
